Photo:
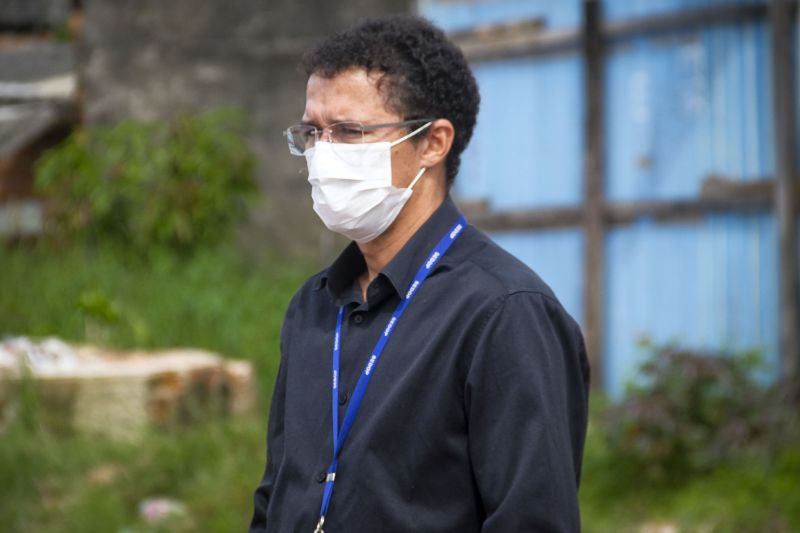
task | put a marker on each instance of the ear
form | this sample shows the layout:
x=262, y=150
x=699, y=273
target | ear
x=437, y=143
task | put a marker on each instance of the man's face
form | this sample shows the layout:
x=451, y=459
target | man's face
x=352, y=95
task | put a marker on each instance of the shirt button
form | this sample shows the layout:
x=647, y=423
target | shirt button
x=342, y=398
x=358, y=319
x=321, y=477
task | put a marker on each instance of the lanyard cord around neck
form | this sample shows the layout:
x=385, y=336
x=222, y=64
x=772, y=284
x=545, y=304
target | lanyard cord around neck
x=340, y=435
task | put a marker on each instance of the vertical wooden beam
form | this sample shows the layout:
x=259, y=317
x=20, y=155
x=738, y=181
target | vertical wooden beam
x=593, y=224
x=786, y=186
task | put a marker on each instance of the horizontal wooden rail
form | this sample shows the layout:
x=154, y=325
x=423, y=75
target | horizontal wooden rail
x=750, y=197
x=521, y=39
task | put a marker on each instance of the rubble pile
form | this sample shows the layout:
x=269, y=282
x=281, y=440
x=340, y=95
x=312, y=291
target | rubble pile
x=120, y=393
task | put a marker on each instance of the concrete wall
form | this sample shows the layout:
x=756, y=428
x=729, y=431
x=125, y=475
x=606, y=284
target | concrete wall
x=24, y=14
x=151, y=58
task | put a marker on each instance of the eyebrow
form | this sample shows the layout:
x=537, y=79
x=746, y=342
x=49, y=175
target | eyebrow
x=336, y=120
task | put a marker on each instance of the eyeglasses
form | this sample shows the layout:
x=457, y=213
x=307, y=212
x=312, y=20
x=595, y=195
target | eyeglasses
x=301, y=137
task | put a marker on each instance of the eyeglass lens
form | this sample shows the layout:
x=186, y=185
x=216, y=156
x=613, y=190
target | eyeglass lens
x=303, y=136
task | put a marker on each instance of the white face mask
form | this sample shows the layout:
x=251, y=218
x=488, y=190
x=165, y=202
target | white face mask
x=351, y=185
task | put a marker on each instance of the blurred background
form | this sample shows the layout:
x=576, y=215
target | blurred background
x=640, y=155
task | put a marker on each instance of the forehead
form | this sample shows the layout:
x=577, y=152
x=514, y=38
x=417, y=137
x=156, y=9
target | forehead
x=348, y=95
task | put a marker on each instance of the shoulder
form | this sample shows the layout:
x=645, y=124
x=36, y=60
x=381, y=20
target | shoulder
x=495, y=272
x=501, y=291
x=307, y=291
x=520, y=316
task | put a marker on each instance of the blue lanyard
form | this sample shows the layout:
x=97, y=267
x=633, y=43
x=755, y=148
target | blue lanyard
x=340, y=435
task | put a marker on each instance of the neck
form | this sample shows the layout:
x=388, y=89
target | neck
x=378, y=252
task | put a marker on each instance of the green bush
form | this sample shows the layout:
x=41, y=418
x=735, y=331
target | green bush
x=739, y=496
x=177, y=184
x=696, y=411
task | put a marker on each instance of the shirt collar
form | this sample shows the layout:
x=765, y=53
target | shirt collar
x=400, y=271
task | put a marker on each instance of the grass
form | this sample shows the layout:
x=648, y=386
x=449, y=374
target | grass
x=743, y=496
x=219, y=301
x=77, y=485
x=225, y=302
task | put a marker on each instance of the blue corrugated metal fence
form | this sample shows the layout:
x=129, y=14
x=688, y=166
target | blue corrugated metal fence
x=680, y=107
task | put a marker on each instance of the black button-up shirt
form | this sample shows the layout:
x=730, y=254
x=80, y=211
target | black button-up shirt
x=476, y=414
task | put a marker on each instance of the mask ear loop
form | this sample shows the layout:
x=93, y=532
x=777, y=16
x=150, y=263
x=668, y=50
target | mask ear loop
x=401, y=139
x=419, y=175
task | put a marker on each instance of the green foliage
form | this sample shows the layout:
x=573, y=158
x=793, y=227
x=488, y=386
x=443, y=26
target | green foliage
x=97, y=305
x=744, y=497
x=696, y=411
x=739, y=496
x=179, y=184
x=215, y=299
x=73, y=484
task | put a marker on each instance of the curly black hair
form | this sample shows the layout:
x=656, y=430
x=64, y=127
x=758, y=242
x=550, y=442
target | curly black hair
x=423, y=74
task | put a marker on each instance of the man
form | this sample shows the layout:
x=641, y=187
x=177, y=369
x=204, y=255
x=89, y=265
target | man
x=429, y=381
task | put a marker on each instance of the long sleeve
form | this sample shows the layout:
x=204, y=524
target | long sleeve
x=526, y=400
x=262, y=494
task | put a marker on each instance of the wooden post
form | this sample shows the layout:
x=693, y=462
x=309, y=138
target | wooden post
x=786, y=177
x=593, y=224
